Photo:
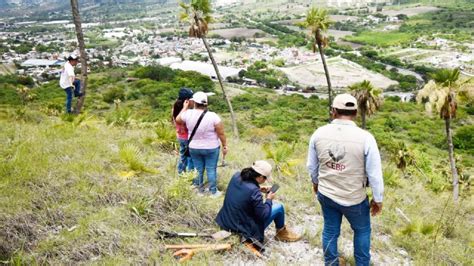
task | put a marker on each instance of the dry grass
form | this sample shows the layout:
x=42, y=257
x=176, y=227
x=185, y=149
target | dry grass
x=66, y=200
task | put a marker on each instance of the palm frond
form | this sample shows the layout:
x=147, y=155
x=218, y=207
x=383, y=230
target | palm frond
x=183, y=16
x=368, y=97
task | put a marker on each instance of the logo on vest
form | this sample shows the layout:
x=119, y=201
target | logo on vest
x=337, y=153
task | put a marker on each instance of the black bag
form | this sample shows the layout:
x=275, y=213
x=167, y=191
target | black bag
x=186, y=150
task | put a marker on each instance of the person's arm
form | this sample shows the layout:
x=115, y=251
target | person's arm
x=373, y=169
x=313, y=163
x=221, y=135
x=262, y=210
x=179, y=118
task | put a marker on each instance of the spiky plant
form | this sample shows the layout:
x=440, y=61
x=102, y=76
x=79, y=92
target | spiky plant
x=369, y=99
x=317, y=22
x=198, y=14
x=133, y=157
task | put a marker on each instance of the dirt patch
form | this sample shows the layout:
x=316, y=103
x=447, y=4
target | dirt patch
x=238, y=32
x=343, y=73
x=411, y=11
x=308, y=251
x=19, y=232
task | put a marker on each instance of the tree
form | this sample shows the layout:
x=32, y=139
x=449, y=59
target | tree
x=198, y=14
x=318, y=22
x=440, y=95
x=369, y=99
x=82, y=49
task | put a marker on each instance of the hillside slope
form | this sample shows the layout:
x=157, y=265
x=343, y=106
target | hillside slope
x=95, y=188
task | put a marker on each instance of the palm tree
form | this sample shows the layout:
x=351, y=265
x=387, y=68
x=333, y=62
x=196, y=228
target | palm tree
x=198, y=14
x=318, y=22
x=82, y=49
x=369, y=99
x=441, y=94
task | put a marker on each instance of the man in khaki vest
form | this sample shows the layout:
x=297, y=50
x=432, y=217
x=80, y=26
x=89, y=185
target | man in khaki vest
x=343, y=160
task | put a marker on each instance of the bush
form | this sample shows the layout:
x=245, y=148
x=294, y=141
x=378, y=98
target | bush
x=156, y=72
x=114, y=93
x=464, y=138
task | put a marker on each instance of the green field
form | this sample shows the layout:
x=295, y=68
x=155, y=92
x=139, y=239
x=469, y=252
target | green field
x=381, y=39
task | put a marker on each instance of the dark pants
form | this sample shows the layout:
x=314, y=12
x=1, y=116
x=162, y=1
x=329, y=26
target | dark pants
x=76, y=90
x=359, y=219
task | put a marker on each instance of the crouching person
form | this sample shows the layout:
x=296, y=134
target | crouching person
x=244, y=212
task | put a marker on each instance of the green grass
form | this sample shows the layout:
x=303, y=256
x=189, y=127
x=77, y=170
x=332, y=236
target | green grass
x=84, y=190
x=382, y=39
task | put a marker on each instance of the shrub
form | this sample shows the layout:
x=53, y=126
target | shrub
x=166, y=136
x=464, y=138
x=156, y=72
x=114, y=93
x=119, y=117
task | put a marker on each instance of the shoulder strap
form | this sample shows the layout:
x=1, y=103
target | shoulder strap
x=196, y=126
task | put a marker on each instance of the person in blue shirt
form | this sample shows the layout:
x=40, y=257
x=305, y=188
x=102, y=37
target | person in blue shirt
x=244, y=212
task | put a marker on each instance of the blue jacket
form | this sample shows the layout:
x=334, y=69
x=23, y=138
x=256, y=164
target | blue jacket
x=244, y=211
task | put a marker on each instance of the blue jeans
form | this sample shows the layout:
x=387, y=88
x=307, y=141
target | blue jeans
x=76, y=90
x=185, y=162
x=277, y=215
x=359, y=219
x=205, y=159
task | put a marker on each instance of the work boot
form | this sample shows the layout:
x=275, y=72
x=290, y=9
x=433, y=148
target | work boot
x=286, y=235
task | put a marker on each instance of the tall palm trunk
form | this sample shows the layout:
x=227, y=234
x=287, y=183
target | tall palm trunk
x=451, y=159
x=82, y=49
x=326, y=71
x=219, y=77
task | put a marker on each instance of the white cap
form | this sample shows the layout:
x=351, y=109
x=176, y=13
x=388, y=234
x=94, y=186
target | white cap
x=200, y=97
x=345, y=102
x=73, y=56
x=263, y=168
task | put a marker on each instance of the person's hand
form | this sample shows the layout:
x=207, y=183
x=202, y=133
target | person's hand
x=315, y=188
x=265, y=189
x=224, y=150
x=271, y=195
x=186, y=105
x=375, y=207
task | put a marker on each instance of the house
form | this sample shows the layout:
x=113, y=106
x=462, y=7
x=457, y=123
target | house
x=41, y=63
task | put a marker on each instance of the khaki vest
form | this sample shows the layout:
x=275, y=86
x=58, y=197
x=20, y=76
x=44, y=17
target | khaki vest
x=342, y=174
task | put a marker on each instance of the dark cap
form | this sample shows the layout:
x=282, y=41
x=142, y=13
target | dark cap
x=185, y=94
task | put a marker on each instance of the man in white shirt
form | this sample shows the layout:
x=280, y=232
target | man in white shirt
x=68, y=81
x=343, y=160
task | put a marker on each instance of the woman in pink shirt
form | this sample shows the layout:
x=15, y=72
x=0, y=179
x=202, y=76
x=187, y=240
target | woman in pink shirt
x=206, y=143
x=185, y=162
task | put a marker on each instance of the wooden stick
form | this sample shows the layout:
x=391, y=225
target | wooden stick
x=200, y=246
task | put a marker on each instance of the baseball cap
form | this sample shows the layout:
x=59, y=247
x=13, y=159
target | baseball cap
x=263, y=168
x=73, y=57
x=200, y=97
x=344, y=102
x=185, y=94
